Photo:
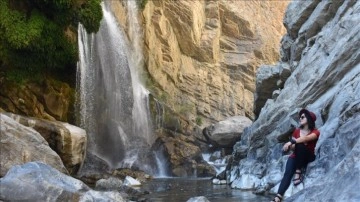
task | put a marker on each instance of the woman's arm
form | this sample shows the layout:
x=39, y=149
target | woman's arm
x=306, y=138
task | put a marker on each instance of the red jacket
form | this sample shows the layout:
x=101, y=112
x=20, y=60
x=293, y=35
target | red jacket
x=309, y=145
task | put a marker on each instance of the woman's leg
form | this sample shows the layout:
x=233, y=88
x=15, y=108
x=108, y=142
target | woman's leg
x=289, y=172
x=302, y=156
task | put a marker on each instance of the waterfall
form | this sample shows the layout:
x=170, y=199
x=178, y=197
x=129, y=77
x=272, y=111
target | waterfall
x=216, y=160
x=114, y=106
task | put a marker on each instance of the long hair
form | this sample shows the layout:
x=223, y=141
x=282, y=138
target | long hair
x=310, y=121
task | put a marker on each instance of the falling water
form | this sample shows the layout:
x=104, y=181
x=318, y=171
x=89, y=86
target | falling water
x=216, y=160
x=114, y=106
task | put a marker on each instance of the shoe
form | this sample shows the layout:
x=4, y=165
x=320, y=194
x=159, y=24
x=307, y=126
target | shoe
x=299, y=179
x=278, y=198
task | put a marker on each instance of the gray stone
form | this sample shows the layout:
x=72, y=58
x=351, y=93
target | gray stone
x=226, y=133
x=108, y=184
x=275, y=94
x=35, y=181
x=266, y=83
x=296, y=15
x=286, y=43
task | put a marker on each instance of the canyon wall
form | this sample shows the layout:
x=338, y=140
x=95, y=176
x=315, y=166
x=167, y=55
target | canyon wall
x=202, y=56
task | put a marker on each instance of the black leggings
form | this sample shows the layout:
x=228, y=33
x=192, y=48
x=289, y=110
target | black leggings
x=302, y=157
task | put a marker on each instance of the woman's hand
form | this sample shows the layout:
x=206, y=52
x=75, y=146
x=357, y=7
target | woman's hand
x=286, y=146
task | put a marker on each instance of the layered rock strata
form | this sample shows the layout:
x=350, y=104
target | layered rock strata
x=202, y=56
x=321, y=49
x=49, y=99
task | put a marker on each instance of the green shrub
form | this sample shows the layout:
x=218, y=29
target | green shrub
x=32, y=37
x=90, y=15
x=142, y=3
x=199, y=121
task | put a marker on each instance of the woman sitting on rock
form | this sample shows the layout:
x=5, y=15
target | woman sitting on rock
x=303, y=144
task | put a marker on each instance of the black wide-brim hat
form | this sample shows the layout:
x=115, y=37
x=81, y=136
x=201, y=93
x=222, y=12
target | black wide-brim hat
x=312, y=115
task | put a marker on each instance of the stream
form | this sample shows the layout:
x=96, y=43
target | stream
x=182, y=189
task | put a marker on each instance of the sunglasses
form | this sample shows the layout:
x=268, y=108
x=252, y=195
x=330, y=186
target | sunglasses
x=302, y=117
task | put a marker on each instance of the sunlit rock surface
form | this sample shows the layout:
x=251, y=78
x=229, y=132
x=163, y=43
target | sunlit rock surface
x=322, y=50
x=68, y=141
x=202, y=56
x=20, y=144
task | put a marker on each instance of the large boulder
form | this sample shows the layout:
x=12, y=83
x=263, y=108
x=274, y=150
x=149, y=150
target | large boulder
x=20, y=144
x=225, y=134
x=68, y=141
x=35, y=181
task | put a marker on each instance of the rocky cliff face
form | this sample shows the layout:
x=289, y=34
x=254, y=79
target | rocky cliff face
x=201, y=58
x=319, y=69
x=49, y=99
x=202, y=55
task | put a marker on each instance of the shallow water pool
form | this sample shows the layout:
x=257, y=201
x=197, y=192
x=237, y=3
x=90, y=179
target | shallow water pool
x=182, y=189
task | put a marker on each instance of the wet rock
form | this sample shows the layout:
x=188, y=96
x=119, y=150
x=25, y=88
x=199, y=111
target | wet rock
x=218, y=181
x=115, y=184
x=184, y=155
x=93, y=169
x=122, y=173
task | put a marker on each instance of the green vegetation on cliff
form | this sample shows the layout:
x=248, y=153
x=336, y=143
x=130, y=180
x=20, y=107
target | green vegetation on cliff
x=142, y=3
x=40, y=35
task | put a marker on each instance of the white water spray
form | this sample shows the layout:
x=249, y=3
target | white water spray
x=114, y=105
